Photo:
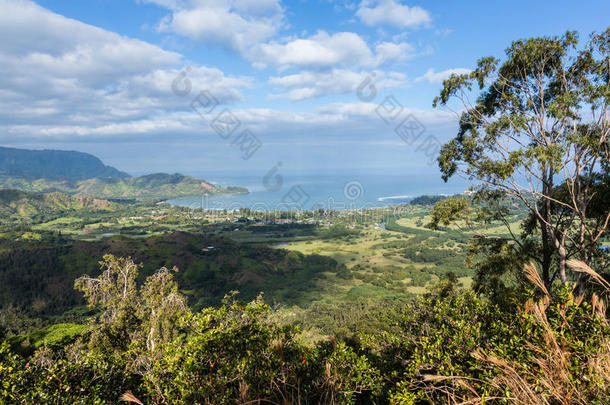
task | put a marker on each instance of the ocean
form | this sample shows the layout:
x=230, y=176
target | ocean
x=336, y=190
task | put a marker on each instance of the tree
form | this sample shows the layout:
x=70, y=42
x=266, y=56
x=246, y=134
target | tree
x=147, y=316
x=538, y=130
x=448, y=211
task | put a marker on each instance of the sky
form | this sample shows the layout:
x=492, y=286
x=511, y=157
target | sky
x=243, y=86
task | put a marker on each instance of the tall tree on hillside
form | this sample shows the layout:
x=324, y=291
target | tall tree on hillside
x=147, y=315
x=535, y=126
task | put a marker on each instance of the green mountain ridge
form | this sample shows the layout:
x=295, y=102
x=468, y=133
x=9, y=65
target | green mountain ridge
x=54, y=164
x=17, y=203
x=158, y=186
x=84, y=175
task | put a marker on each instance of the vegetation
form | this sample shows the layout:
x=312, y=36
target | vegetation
x=538, y=131
x=145, y=345
x=427, y=199
x=36, y=276
x=16, y=205
x=497, y=296
x=53, y=164
x=158, y=186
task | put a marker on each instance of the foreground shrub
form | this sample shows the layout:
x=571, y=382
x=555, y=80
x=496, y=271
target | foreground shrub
x=460, y=349
x=448, y=347
x=234, y=354
x=87, y=379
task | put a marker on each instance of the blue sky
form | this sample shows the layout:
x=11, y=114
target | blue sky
x=97, y=76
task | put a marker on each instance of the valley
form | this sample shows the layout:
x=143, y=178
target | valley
x=300, y=261
x=347, y=203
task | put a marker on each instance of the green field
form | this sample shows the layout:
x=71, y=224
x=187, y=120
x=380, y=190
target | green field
x=323, y=261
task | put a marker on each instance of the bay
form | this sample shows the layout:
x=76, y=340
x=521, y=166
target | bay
x=327, y=190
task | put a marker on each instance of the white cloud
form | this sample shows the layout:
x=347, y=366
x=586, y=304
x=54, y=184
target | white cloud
x=66, y=81
x=234, y=24
x=68, y=47
x=368, y=110
x=391, y=12
x=353, y=121
x=312, y=84
x=323, y=50
x=158, y=83
x=61, y=72
x=249, y=26
x=388, y=51
x=437, y=77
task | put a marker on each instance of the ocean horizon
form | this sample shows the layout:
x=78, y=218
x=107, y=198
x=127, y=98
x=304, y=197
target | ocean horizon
x=308, y=191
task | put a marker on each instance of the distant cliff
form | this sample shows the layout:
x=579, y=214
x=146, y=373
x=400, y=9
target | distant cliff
x=54, y=165
x=85, y=175
x=160, y=186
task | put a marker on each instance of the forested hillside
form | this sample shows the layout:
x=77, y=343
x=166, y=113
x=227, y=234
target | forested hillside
x=16, y=203
x=54, y=165
x=152, y=187
x=84, y=175
x=495, y=296
x=36, y=276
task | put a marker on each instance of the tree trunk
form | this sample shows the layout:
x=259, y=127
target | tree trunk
x=546, y=255
x=546, y=233
x=562, y=263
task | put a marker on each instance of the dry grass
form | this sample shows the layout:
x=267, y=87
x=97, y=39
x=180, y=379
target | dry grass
x=129, y=397
x=550, y=380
